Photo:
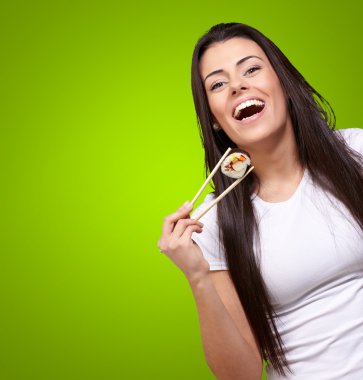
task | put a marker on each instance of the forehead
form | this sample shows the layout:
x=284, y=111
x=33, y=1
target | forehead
x=224, y=55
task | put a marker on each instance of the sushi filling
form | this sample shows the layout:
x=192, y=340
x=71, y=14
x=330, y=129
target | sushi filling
x=253, y=109
x=235, y=165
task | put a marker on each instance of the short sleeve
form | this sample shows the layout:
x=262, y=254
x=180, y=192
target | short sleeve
x=208, y=239
x=353, y=137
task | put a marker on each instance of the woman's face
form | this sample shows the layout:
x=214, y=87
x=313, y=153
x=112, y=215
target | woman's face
x=244, y=92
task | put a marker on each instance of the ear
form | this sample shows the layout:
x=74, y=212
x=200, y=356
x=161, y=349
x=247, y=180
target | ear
x=216, y=126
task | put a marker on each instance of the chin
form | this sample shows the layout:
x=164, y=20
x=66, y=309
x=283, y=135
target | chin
x=254, y=138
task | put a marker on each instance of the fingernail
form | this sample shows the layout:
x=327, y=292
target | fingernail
x=187, y=205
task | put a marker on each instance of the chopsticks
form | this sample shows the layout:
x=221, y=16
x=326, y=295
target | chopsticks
x=210, y=176
x=225, y=192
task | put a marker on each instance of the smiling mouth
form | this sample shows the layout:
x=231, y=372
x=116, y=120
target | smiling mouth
x=247, y=109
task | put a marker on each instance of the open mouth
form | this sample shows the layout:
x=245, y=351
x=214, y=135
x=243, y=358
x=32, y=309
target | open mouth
x=247, y=109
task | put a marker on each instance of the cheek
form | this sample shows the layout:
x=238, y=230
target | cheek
x=216, y=106
x=279, y=99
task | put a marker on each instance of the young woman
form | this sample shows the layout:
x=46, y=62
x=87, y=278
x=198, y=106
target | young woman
x=276, y=268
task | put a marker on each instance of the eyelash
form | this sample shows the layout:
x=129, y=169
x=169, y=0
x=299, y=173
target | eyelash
x=216, y=85
x=251, y=70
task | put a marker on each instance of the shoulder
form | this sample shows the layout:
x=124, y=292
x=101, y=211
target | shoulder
x=208, y=240
x=353, y=137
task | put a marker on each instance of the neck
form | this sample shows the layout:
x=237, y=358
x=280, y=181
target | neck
x=276, y=163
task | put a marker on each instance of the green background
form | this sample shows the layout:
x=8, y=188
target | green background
x=98, y=143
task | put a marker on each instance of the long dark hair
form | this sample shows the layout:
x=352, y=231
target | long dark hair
x=331, y=163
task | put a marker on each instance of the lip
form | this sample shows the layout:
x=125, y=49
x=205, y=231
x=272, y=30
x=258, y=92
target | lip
x=239, y=101
x=251, y=118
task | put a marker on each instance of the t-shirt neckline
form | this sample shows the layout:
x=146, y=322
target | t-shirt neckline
x=256, y=198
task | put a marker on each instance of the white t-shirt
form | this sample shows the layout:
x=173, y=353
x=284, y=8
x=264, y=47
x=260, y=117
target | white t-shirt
x=312, y=264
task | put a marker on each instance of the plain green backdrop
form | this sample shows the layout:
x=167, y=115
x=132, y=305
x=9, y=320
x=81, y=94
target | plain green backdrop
x=98, y=142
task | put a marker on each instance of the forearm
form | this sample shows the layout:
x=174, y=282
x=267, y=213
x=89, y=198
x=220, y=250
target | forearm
x=227, y=353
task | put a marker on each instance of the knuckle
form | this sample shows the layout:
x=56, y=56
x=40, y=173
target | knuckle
x=187, y=222
x=162, y=245
x=172, y=246
x=182, y=222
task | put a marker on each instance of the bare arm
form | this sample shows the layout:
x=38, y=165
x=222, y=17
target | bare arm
x=229, y=346
x=231, y=352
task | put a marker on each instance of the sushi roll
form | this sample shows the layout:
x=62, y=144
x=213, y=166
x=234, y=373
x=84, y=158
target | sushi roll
x=235, y=165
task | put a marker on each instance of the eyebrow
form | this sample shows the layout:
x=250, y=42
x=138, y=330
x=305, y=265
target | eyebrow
x=237, y=64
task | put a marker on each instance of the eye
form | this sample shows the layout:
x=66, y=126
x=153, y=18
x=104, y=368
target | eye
x=216, y=85
x=252, y=69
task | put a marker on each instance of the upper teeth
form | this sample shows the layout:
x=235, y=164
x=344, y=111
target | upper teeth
x=246, y=104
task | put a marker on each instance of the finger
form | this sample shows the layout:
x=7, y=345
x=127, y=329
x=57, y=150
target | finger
x=161, y=245
x=174, y=244
x=182, y=224
x=170, y=220
x=188, y=232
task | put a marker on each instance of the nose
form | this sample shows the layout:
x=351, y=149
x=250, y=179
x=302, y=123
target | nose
x=236, y=91
x=237, y=86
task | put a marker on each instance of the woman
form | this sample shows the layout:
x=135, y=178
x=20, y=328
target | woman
x=276, y=268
